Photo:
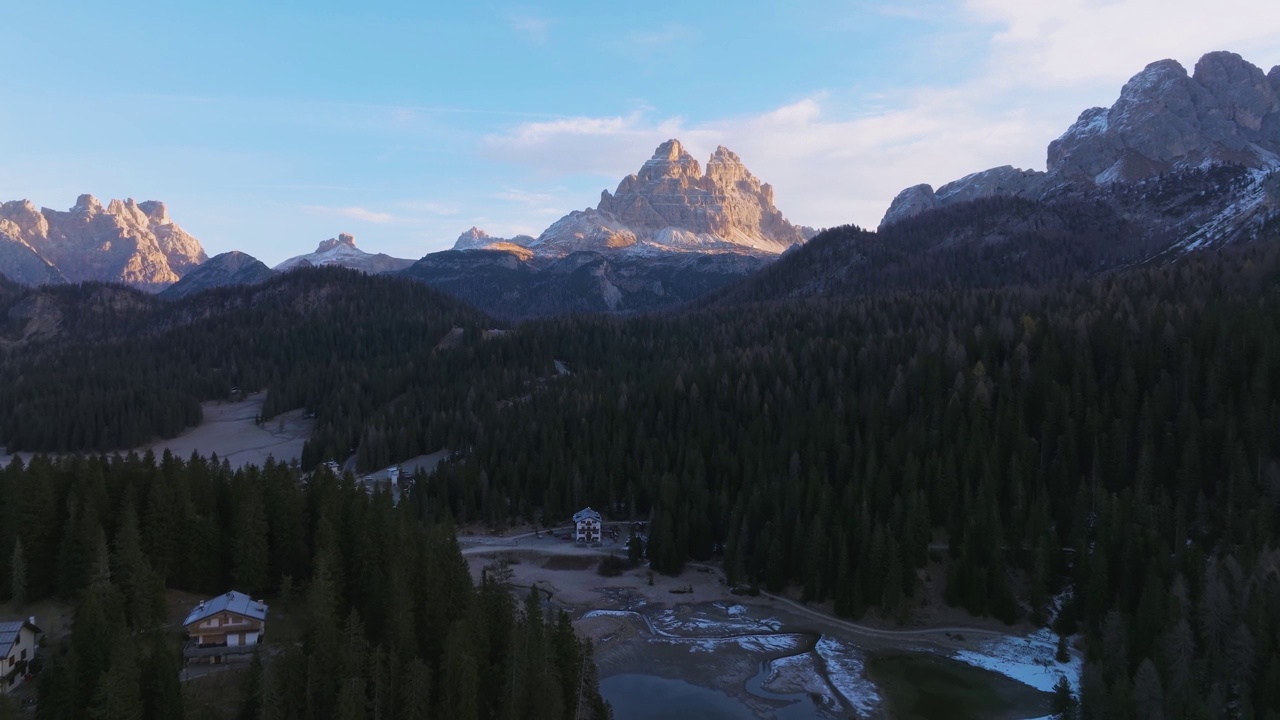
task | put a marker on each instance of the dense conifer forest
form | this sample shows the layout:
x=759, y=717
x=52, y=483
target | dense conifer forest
x=389, y=623
x=1108, y=439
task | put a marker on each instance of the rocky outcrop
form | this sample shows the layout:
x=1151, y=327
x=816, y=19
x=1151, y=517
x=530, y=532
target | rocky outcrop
x=129, y=242
x=20, y=262
x=230, y=268
x=1004, y=180
x=1227, y=112
x=477, y=239
x=342, y=251
x=670, y=205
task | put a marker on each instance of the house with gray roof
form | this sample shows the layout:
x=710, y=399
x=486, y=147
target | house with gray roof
x=229, y=624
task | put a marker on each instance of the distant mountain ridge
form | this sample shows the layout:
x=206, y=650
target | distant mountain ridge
x=129, y=242
x=668, y=234
x=342, y=251
x=229, y=268
x=1166, y=129
x=669, y=206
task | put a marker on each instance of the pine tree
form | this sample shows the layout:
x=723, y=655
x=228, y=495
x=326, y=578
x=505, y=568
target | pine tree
x=1064, y=703
x=251, y=690
x=18, y=574
x=118, y=696
x=415, y=691
x=161, y=689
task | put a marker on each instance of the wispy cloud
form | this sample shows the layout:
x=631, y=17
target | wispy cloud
x=533, y=29
x=659, y=38
x=1076, y=41
x=352, y=213
x=431, y=207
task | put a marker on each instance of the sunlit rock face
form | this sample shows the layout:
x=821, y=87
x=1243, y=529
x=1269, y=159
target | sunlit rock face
x=671, y=205
x=126, y=241
x=1226, y=112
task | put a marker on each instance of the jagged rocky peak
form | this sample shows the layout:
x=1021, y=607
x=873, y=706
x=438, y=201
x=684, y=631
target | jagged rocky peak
x=343, y=239
x=87, y=204
x=1227, y=111
x=156, y=212
x=477, y=239
x=26, y=217
x=472, y=239
x=670, y=205
x=669, y=161
x=342, y=251
x=126, y=241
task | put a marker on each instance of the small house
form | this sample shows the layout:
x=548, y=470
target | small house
x=229, y=624
x=18, y=640
x=586, y=525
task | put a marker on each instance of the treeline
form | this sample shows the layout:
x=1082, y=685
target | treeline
x=391, y=624
x=336, y=342
x=1115, y=436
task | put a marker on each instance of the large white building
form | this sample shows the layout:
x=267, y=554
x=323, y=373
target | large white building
x=586, y=525
x=18, y=640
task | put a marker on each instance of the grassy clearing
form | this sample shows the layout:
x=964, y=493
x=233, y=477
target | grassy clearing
x=570, y=562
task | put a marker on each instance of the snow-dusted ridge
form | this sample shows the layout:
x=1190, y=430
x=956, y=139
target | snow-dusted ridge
x=342, y=251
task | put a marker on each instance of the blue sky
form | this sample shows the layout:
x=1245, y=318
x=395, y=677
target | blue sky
x=268, y=127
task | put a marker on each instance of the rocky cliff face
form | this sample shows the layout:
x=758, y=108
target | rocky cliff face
x=1228, y=111
x=1165, y=122
x=129, y=242
x=669, y=206
x=668, y=234
x=230, y=268
x=342, y=251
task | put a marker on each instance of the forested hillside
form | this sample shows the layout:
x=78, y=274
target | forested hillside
x=337, y=342
x=1108, y=433
x=1116, y=436
x=388, y=622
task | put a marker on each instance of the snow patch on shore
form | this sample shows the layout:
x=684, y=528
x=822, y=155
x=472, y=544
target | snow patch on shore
x=846, y=669
x=1028, y=660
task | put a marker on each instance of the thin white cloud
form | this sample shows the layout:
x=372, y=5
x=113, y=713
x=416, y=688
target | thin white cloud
x=533, y=29
x=660, y=38
x=527, y=198
x=352, y=213
x=431, y=207
x=1077, y=41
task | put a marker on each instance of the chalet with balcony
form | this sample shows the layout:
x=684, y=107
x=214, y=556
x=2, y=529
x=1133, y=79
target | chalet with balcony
x=586, y=525
x=227, y=625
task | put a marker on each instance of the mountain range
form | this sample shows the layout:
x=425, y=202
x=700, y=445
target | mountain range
x=1180, y=161
x=1191, y=160
x=669, y=233
x=134, y=243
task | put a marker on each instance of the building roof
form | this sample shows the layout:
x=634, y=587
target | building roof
x=9, y=632
x=232, y=602
x=586, y=513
